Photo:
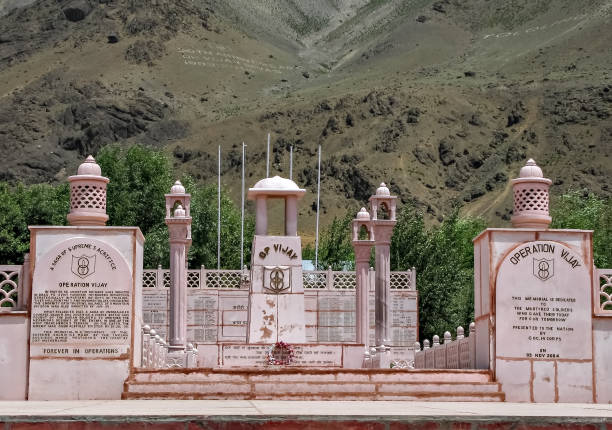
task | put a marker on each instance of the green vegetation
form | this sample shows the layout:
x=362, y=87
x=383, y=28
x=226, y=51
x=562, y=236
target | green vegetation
x=443, y=256
x=585, y=211
x=335, y=247
x=139, y=178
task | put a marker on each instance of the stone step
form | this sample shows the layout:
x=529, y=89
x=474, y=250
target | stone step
x=420, y=396
x=296, y=387
x=310, y=375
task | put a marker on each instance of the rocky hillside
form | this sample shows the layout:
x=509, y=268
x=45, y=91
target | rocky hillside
x=443, y=99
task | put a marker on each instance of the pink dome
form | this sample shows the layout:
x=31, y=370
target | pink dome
x=179, y=212
x=363, y=215
x=382, y=191
x=177, y=188
x=89, y=167
x=531, y=170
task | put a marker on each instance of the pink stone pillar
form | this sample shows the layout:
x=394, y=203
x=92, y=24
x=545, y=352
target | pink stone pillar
x=261, y=215
x=362, y=267
x=362, y=249
x=382, y=309
x=179, y=228
x=291, y=215
x=383, y=228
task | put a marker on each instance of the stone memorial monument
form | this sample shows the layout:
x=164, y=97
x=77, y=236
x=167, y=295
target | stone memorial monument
x=85, y=301
x=276, y=299
x=534, y=302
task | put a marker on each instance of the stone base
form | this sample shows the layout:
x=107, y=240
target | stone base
x=292, y=383
x=276, y=317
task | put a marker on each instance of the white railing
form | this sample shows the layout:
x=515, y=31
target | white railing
x=14, y=286
x=155, y=354
x=240, y=279
x=452, y=354
x=603, y=292
x=202, y=278
x=10, y=286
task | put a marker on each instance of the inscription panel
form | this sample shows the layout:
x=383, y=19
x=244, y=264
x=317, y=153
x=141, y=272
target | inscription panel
x=543, y=303
x=81, y=301
x=304, y=355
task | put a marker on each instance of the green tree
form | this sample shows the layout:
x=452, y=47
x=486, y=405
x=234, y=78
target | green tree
x=335, y=245
x=585, y=211
x=21, y=206
x=139, y=178
x=443, y=257
x=204, y=231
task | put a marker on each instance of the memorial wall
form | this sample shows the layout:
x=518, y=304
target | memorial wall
x=221, y=315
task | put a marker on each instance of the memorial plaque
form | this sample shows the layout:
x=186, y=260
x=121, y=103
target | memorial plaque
x=202, y=316
x=543, y=303
x=155, y=307
x=304, y=355
x=81, y=301
x=336, y=316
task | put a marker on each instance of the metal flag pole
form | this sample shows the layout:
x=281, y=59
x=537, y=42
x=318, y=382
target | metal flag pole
x=242, y=212
x=219, y=213
x=318, y=200
x=268, y=158
x=291, y=162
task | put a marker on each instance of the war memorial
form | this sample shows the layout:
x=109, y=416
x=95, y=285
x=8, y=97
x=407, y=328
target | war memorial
x=83, y=320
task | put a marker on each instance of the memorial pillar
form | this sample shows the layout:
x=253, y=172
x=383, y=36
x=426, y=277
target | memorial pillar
x=276, y=296
x=362, y=247
x=383, y=221
x=179, y=229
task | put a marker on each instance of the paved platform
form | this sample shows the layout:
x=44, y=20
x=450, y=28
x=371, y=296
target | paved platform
x=311, y=415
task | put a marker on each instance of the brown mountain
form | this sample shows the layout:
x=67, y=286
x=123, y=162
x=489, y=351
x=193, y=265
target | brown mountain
x=443, y=100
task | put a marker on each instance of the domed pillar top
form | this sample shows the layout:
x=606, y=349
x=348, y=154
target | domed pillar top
x=276, y=187
x=88, y=195
x=383, y=200
x=531, y=198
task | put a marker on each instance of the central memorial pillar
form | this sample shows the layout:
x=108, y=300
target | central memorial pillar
x=276, y=299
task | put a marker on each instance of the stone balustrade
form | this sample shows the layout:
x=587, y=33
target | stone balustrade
x=14, y=287
x=156, y=354
x=603, y=289
x=240, y=279
x=450, y=354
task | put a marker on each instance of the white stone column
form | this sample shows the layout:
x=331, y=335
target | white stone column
x=178, y=287
x=261, y=215
x=382, y=308
x=362, y=267
x=291, y=215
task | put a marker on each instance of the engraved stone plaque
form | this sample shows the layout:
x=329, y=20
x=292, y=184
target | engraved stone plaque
x=81, y=301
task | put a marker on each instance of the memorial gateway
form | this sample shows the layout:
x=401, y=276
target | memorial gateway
x=82, y=308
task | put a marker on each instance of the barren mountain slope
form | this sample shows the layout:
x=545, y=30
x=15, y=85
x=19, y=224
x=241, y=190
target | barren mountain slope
x=442, y=99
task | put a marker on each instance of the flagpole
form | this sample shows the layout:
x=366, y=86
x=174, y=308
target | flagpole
x=242, y=212
x=219, y=213
x=291, y=162
x=318, y=201
x=268, y=158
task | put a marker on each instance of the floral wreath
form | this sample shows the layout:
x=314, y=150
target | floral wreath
x=275, y=354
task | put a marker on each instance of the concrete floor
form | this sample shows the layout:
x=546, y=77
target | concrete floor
x=186, y=409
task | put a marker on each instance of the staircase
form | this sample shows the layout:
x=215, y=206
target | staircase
x=313, y=384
